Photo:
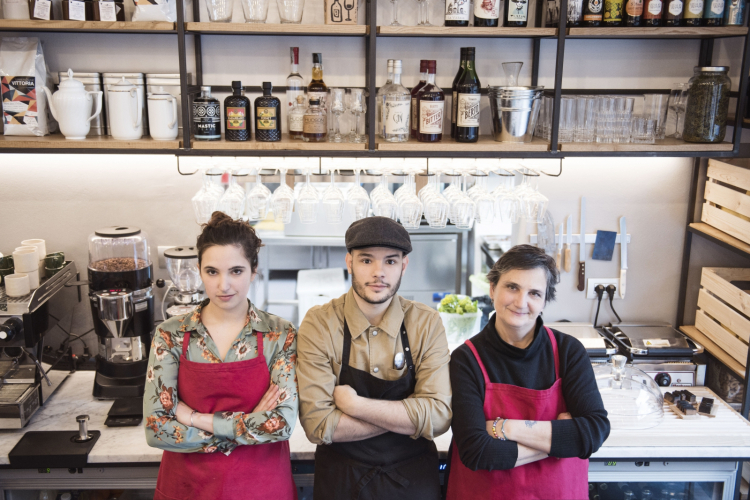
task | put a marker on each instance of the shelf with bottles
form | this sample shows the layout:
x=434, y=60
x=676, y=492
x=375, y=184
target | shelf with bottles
x=58, y=142
x=34, y=25
x=486, y=143
x=465, y=32
x=668, y=144
x=668, y=32
x=286, y=143
x=277, y=29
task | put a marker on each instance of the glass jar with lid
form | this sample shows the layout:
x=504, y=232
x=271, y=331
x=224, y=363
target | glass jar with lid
x=707, y=105
x=118, y=249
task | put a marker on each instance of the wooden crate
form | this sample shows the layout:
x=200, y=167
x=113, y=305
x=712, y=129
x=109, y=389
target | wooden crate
x=727, y=205
x=724, y=310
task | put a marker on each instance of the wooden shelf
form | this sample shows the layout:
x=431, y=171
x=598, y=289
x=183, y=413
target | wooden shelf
x=715, y=350
x=286, y=143
x=57, y=141
x=666, y=145
x=720, y=236
x=467, y=32
x=278, y=29
x=87, y=26
x=665, y=32
x=485, y=143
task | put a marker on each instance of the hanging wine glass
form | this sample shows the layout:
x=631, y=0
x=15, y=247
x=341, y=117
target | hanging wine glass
x=410, y=206
x=506, y=202
x=307, y=201
x=207, y=198
x=436, y=206
x=383, y=202
x=282, y=201
x=338, y=107
x=357, y=199
x=333, y=201
x=257, y=199
x=483, y=199
x=232, y=202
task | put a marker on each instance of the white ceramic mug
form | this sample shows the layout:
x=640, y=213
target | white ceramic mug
x=162, y=116
x=125, y=113
x=25, y=260
x=33, y=279
x=17, y=285
x=41, y=251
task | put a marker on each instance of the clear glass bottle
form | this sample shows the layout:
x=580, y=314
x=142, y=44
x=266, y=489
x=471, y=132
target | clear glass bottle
x=267, y=116
x=206, y=116
x=707, y=105
x=431, y=106
x=295, y=84
x=315, y=126
x=317, y=88
x=379, y=100
x=237, y=116
x=297, y=118
x=396, y=108
x=413, y=117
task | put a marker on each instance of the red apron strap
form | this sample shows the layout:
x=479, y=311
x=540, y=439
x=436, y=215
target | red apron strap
x=554, y=352
x=185, y=342
x=479, y=360
x=259, y=337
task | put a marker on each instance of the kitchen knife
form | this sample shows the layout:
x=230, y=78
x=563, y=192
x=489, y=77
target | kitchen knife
x=560, y=239
x=570, y=242
x=623, y=255
x=582, y=249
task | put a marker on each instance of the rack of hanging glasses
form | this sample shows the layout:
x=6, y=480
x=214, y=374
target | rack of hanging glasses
x=445, y=191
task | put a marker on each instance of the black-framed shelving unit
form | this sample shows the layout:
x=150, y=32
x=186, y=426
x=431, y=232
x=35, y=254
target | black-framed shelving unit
x=487, y=147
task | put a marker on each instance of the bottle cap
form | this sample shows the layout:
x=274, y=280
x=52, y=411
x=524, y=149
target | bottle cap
x=317, y=58
x=205, y=88
x=390, y=63
x=397, y=65
x=236, y=85
x=300, y=99
x=423, y=66
x=470, y=51
x=267, y=86
x=294, y=52
x=432, y=67
x=314, y=102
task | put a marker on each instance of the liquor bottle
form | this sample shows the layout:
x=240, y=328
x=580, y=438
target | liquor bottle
x=379, y=99
x=295, y=84
x=575, y=13
x=652, y=13
x=592, y=13
x=486, y=13
x=396, y=108
x=612, y=16
x=734, y=13
x=267, y=116
x=469, y=96
x=672, y=13
x=516, y=15
x=633, y=15
x=206, y=116
x=713, y=13
x=315, y=125
x=237, y=115
x=693, y=15
x=457, y=12
x=454, y=91
x=317, y=89
x=430, y=106
x=297, y=118
x=552, y=12
x=413, y=117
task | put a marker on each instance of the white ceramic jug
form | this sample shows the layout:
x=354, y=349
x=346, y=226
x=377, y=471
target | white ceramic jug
x=162, y=115
x=71, y=107
x=125, y=116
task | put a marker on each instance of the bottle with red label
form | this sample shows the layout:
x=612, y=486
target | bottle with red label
x=430, y=108
x=652, y=10
x=237, y=116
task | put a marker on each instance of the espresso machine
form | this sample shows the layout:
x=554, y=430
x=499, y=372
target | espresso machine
x=185, y=293
x=122, y=305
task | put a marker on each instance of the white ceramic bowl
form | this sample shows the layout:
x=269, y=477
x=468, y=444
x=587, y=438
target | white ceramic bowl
x=25, y=260
x=17, y=285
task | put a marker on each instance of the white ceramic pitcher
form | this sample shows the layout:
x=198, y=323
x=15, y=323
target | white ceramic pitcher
x=71, y=107
x=162, y=115
x=125, y=115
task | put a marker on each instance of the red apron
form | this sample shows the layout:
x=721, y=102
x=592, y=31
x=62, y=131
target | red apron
x=259, y=471
x=548, y=479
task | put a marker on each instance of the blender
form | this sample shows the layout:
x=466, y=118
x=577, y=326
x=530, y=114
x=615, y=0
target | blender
x=122, y=306
x=184, y=271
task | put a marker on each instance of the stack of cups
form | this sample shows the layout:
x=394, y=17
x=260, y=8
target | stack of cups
x=41, y=252
x=26, y=262
x=17, y=285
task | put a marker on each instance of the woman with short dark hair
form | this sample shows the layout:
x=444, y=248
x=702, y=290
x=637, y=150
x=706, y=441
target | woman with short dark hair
x=527, y=413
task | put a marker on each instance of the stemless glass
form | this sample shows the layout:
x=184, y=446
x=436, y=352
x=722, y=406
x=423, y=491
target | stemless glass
x=512, y=69
x=623, y=116
x=605, y=120
x=282, y=201
x=337, y=108
x=220, y=11
x=207, y=198
x=333, y=201
x=567, y=119
x=232, y=202
x=655, y=108
x=256, y=11
x=290, y=11
x=357, y=200
x=585, y=113
x=676, y=110
x=307, y=202
x=257, y=199
x=357, y=107
x=644, y=129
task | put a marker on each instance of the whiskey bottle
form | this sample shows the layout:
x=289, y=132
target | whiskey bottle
x=469, y=96
x=633, y=15
x=295, y=84
x=237, y=115
x=486, y=13
x=297, y=118
x=315, y=125
x=612, y=16
x=379, y=99
x=267, y=116
x=431, y=104
x=652, y=13
x=693, y=15
x=713, y=13
x=457, y=12
x=454, y=91
x=413, y=117
x=317, y=88
x=517, y=14
x=592, y=13
x=673, y=12
x=396, y=108
x=206, y=116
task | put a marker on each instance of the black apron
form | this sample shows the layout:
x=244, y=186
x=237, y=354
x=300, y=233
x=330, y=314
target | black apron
x=387, y=467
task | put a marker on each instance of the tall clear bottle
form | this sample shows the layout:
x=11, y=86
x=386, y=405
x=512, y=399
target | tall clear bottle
x=295, y=84
x=431, y=107
x=317, y=88
x=469, y=96
x=454, y=91
x=396, y=108
x=379, y=99
x=413, y=117
x=297, y=118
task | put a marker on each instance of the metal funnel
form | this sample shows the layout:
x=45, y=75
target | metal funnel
x=115, y=309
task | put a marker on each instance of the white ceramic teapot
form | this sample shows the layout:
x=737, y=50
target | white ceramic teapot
x=71, y=107
x=162, y=115
x=125, y=112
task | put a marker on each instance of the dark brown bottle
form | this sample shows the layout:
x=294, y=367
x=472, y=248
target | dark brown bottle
x=267, y=116
x=237, y=115
x=633, y=14
x=652, y=11
x=431, y=106
x=486, y=13
x=454, y=91
x=693, y=13
x=414, y=118
x=457, y=12
x=592, y=13
x=673, y=12
x=517, y=14
x=469, y=97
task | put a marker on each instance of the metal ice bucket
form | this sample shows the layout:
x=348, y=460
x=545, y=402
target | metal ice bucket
x=514, y=112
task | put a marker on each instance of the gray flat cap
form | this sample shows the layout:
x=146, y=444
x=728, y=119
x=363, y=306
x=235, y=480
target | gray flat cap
x=377, y=232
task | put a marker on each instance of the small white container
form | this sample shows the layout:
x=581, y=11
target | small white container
x=33, y=279
x=16, y=9
x=40, y=245
x=25, y=260
x=125, y=115
x=162, y=115
x=17, y=285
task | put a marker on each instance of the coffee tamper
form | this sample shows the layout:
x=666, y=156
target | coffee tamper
x=83, y=429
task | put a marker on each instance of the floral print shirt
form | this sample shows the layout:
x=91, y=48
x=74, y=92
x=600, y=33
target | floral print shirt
x=231, y=429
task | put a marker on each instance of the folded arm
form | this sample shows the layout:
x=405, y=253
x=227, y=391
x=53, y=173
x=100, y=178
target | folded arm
x=385, y=415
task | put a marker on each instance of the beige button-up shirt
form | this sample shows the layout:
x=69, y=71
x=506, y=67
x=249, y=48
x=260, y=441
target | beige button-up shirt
x=320, y=343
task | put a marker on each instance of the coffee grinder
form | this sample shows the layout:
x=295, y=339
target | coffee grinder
x=185, y=292
x=122, y=305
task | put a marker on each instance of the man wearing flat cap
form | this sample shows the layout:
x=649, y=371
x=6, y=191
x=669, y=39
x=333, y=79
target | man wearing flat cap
x=373, y=377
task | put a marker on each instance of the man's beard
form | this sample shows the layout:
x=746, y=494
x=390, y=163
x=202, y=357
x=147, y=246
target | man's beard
x=361, y=290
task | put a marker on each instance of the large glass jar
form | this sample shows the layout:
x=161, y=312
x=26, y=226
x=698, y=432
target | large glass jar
x=707, y=105
x=118, y=249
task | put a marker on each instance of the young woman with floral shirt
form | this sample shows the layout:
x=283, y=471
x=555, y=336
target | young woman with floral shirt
x=221, y=390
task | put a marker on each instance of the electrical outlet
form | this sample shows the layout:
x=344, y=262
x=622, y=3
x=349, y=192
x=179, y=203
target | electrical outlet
x=592, y=282
x=162, y=260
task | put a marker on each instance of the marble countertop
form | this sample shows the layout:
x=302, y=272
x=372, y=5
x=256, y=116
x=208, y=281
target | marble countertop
x=727, y=435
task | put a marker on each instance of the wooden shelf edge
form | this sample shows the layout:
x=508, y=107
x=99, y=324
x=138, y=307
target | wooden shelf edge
x=720, y=235
x=485, y=144
x=716, y=351
x=667, y=145
x=286, y=144
x=450, y=31
x=12, y=24
x=104, y=143
x=660, y=32
x=292, y=29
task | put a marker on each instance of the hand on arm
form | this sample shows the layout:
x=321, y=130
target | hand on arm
x=387, y=415
x=352, y=429
x=534, y=437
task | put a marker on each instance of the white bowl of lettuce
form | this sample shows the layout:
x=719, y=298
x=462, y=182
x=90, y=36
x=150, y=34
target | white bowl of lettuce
x=461, y=317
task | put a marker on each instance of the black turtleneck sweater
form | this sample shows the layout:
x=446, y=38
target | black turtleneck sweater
x=532, y=368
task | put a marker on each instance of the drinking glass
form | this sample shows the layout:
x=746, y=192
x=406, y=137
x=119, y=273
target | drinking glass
x=307, y=202
x=220, y=11
x=232, y=202
x=333, y=201
x=357, y=199
x=655, y=107
x=357, y=107
x=337, y=107
x=290, y=11
x=207, y=198
x=624, y=114
x=676, y=112
x=383, y=202
x=256, y=11
x=605, y=119
x=507, y=204
x=585, y=113
x=424, y=13
x=567, y=119
x=512, y=69
x=644, y=129
x=435, y=205
x=463, y=210
x=409, y=205
x=483, y=199
x=282, y=201
x=257, y=200
x=395, y=13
